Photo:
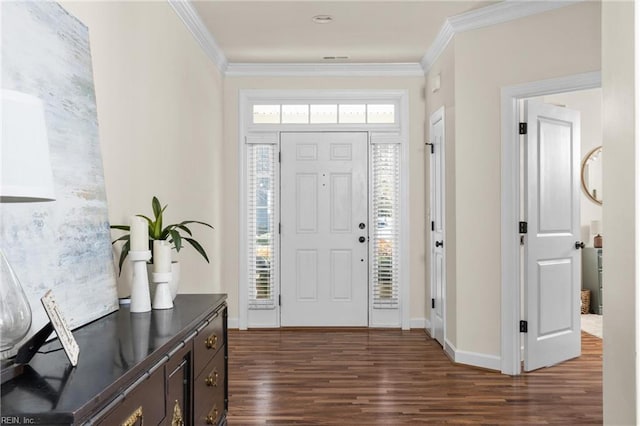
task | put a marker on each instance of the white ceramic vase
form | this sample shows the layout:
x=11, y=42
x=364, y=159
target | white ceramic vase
x=173, y=284
x=175, y=279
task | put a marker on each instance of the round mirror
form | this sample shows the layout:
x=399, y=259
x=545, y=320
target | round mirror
x=592, y=175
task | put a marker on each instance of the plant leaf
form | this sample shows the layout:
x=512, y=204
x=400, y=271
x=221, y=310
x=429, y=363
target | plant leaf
x=196, y=221
x=123, y=238
x=176, y=239
x=145, y=217
x=123, y=255
x=196, y=245
x=121, y=227
x=166, y=232
x=155, y=205
x=184, y=228
x=157, y=229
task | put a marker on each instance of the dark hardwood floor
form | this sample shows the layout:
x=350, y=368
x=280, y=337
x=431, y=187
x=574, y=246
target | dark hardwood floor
x=391, y=377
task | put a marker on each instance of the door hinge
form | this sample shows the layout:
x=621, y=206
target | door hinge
x=433, y=303
x=279, y=157
x=279, y=228
x=431, y=146
x=523, y=227
x=523, y=326
x=522, y=128
x=279, y=300
x=433, y=226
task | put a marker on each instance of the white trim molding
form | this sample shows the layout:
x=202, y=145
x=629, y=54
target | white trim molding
x=510, y=210
x=491, y=362
x=449, y=349
x=419, y=323
x=475, y=359
x=232, y=323
x=397, y=132
x=494, y=14
x=185, y=10
x=236, y=69
x=497, y=13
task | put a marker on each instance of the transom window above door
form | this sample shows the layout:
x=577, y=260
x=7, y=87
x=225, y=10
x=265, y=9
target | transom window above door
x=352, y=113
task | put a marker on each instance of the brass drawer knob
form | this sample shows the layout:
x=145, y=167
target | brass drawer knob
x=212, y=379
x=212, y=416
x=210, y=342
x=177, y=415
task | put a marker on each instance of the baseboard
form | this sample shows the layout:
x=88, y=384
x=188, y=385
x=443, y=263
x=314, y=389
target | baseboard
x=232, y=323
x=473, y=359
x=421, y=323
x=491, y=362
x=449, y=350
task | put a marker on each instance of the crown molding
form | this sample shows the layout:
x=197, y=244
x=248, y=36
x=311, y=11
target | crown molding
x=437, y=47
x=192, y=20
x=498, y=13
x=324, y=69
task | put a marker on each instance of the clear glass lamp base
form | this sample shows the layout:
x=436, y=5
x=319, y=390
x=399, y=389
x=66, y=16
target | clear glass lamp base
x=15, y=312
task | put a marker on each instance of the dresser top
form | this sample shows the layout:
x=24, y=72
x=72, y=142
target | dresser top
x=114, y=351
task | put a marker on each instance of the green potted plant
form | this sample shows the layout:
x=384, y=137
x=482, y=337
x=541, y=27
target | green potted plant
x=176, y=234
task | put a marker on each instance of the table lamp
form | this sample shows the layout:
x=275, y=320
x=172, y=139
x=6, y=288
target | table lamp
x=25, y=176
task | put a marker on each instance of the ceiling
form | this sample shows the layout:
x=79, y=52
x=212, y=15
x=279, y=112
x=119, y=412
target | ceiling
x=397, y=31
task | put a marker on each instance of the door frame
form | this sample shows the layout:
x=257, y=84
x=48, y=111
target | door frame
x=397, y=132
x=438, y=115
x=510, y=205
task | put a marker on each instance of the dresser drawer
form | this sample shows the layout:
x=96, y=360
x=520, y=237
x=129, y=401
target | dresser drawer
x=144, y=405
x=208, y=341
x=209, y=391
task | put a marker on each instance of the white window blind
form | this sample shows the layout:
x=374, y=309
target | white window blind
x=261, y=163
x=386, y=225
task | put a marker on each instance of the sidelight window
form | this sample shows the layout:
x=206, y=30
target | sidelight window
x=261, y=225
x=386, y=226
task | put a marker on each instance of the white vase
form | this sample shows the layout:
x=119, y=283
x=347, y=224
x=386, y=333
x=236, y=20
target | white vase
x=173, y=284
x=175, y=279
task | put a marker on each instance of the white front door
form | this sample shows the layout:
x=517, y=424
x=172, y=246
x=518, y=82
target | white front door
x=436, y=134
x=324, y=235
x=552, y=253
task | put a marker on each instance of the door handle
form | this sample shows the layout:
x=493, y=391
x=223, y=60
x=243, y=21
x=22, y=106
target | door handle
x=362, y=239
x=362, y=225
x=579, y=245
x=439, y=243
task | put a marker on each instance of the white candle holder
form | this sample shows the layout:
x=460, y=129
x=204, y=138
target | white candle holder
x=140, y=298
x=162, y=299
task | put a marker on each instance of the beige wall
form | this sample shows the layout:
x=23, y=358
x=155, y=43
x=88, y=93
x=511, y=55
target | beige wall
x=414, y=85
x=619, y=215
x=445, y=96
x=589, y=103
x=159, y=102
x=553, y=44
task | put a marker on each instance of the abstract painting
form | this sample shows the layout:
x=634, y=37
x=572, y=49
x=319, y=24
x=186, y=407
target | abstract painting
x=62, y=245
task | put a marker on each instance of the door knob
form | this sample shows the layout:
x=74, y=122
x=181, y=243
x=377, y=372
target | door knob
x=439, y=243
x=362, y=225
x=579, y=245
x=362, y=239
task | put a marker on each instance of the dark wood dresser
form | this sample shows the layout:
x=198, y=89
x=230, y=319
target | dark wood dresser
x=164, y=367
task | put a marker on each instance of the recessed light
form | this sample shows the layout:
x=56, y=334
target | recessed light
x=322, y=19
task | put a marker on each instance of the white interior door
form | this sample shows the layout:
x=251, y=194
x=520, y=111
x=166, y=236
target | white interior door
x=437, y=226
x=552, y=255
x=324, y=236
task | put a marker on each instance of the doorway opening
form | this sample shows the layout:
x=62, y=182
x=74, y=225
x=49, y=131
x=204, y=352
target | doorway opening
x=512, y=301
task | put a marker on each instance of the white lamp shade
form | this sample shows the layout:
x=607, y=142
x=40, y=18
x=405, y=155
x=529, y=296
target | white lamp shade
x=25, y=175
x=596, y=227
